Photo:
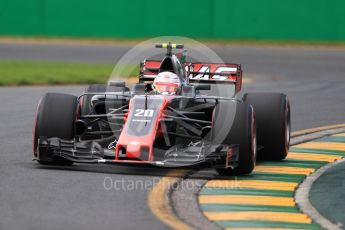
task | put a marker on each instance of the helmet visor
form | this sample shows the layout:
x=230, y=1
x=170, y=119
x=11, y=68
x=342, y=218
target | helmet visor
x=166, y=87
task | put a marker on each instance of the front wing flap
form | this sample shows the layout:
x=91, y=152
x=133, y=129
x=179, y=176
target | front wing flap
x=218, y=156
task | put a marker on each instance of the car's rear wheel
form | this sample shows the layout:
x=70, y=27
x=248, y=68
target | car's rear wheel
x=272, y=111
x=234, y=123
x=55, y=117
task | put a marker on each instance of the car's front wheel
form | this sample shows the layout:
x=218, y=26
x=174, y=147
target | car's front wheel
x=234, y=123
x=56, y=115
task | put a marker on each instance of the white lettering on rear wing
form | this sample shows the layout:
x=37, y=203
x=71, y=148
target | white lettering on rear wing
x=213, y=72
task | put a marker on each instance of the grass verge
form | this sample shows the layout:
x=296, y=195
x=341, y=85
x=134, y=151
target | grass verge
x=57, y=73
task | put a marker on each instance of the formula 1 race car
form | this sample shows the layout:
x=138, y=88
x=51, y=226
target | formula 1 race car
x=175, y=116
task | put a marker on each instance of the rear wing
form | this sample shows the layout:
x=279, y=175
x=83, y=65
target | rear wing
x=211, y=73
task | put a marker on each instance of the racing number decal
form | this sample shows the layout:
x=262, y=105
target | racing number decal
x=143, y=113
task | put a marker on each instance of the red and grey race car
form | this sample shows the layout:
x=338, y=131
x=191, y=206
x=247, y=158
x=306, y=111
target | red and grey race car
x=182, y=119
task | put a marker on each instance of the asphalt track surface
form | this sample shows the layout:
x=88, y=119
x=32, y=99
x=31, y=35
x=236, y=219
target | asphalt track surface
x=42, y=197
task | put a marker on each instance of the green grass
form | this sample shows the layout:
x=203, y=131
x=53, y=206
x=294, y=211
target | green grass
x=57, y=73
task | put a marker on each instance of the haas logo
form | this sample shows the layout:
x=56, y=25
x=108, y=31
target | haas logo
x=206, y=72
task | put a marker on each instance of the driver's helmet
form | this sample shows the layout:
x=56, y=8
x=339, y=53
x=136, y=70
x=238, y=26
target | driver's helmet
x=167, y=83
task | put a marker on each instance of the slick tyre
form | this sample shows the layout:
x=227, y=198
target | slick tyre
x=234, y=123
x=55, y=117
x=272, y=112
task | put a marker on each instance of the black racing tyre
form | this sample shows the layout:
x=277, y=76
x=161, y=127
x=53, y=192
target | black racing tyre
x=55, y=117
x=234, y=123
x=273, y=119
